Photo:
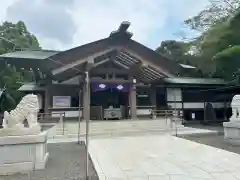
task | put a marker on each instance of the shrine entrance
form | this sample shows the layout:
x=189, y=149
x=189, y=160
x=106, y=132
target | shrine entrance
x=109, y=101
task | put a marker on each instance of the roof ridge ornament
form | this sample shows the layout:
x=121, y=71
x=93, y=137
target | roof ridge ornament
x=122, y=31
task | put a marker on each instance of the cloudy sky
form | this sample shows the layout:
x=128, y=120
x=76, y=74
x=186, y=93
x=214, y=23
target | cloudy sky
x=62, y=24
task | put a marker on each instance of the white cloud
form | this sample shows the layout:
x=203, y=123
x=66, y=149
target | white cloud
x=95, y=19
x=3, y=8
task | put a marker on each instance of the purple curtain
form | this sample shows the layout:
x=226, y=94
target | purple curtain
x=102, y=87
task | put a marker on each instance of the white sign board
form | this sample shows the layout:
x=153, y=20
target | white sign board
x=61, y=101
x=174, y=94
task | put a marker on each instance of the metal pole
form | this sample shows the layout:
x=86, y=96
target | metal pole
x=61, y=122
x=87, y=125
x=79, y=117
x=87, y=143
x=175, y=112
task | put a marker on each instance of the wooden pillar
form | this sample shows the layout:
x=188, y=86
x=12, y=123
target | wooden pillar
x=153, y=101
x=80, y=99
x=153, y=97
x=46, y=100
x=225, y=110
x=86, y=98
x=133, y=101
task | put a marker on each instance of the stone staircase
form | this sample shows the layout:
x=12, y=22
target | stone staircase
x=112, y=128
x=121, y=128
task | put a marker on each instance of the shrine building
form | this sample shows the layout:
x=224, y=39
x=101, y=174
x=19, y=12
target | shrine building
x=114, y=77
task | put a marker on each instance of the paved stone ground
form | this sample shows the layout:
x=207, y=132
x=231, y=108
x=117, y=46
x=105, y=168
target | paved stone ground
x=66, y=162
x=161, y=157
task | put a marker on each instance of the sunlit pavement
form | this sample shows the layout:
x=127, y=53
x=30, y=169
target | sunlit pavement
x=150, y=150
x=161, y=157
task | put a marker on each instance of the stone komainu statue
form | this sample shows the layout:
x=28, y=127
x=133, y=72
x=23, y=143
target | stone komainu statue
x=27, y=109
x=235, y=104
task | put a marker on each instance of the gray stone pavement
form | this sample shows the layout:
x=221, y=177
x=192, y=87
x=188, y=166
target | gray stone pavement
x=66, y=162
x=161, y=157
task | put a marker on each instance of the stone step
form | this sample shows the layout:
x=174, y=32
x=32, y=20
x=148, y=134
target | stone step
x=96, y=131
x=118, y=127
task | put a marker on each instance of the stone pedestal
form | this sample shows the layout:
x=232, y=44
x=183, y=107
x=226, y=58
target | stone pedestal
x=23, y=153
x=232, y=132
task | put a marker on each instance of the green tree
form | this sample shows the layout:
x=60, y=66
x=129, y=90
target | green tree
x=228, y=62
x=220, y=42
x=182, y=53
x=176, y=50
x=220, y=27
x=217, y=11
x=14, y=37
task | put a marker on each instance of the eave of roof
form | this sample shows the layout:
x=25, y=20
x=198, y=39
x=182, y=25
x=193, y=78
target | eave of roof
x=186, y=66
x=30, y=54
x=31, y=87
x=203, y=81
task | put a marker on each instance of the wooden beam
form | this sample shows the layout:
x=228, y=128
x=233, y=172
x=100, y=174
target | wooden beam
x=145, y=61
x=151, y=73
x=101, y=62
x=120, y=64
x=108, y=71
x=110, y=80
x=83, y=60
x=122, y=55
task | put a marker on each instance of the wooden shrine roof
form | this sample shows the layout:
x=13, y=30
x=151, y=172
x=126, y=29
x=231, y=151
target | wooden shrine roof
x=127, y=53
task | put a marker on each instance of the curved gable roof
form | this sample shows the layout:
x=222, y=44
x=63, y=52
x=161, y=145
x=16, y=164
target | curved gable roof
x=120, y=38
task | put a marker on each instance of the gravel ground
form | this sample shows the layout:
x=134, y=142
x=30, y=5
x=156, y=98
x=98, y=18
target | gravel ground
x=215, y=141
x=212, y=140
x=66, y=162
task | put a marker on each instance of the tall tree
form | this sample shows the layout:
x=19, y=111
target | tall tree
x=16, y=37
x=217, y=11
x=181, y=52
x=219, y=28
x=13, y=37
x=228, y=63
x=227, y=59
x=175, y=50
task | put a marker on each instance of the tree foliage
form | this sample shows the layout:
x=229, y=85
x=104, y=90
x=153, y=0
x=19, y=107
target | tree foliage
x=181, y=52
x=219, y=25
x=7, y=102
x=228, y=62
x=16, y=37
x=222, y=41
x=217, y=11
x=13, y=37
x=176, y=50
